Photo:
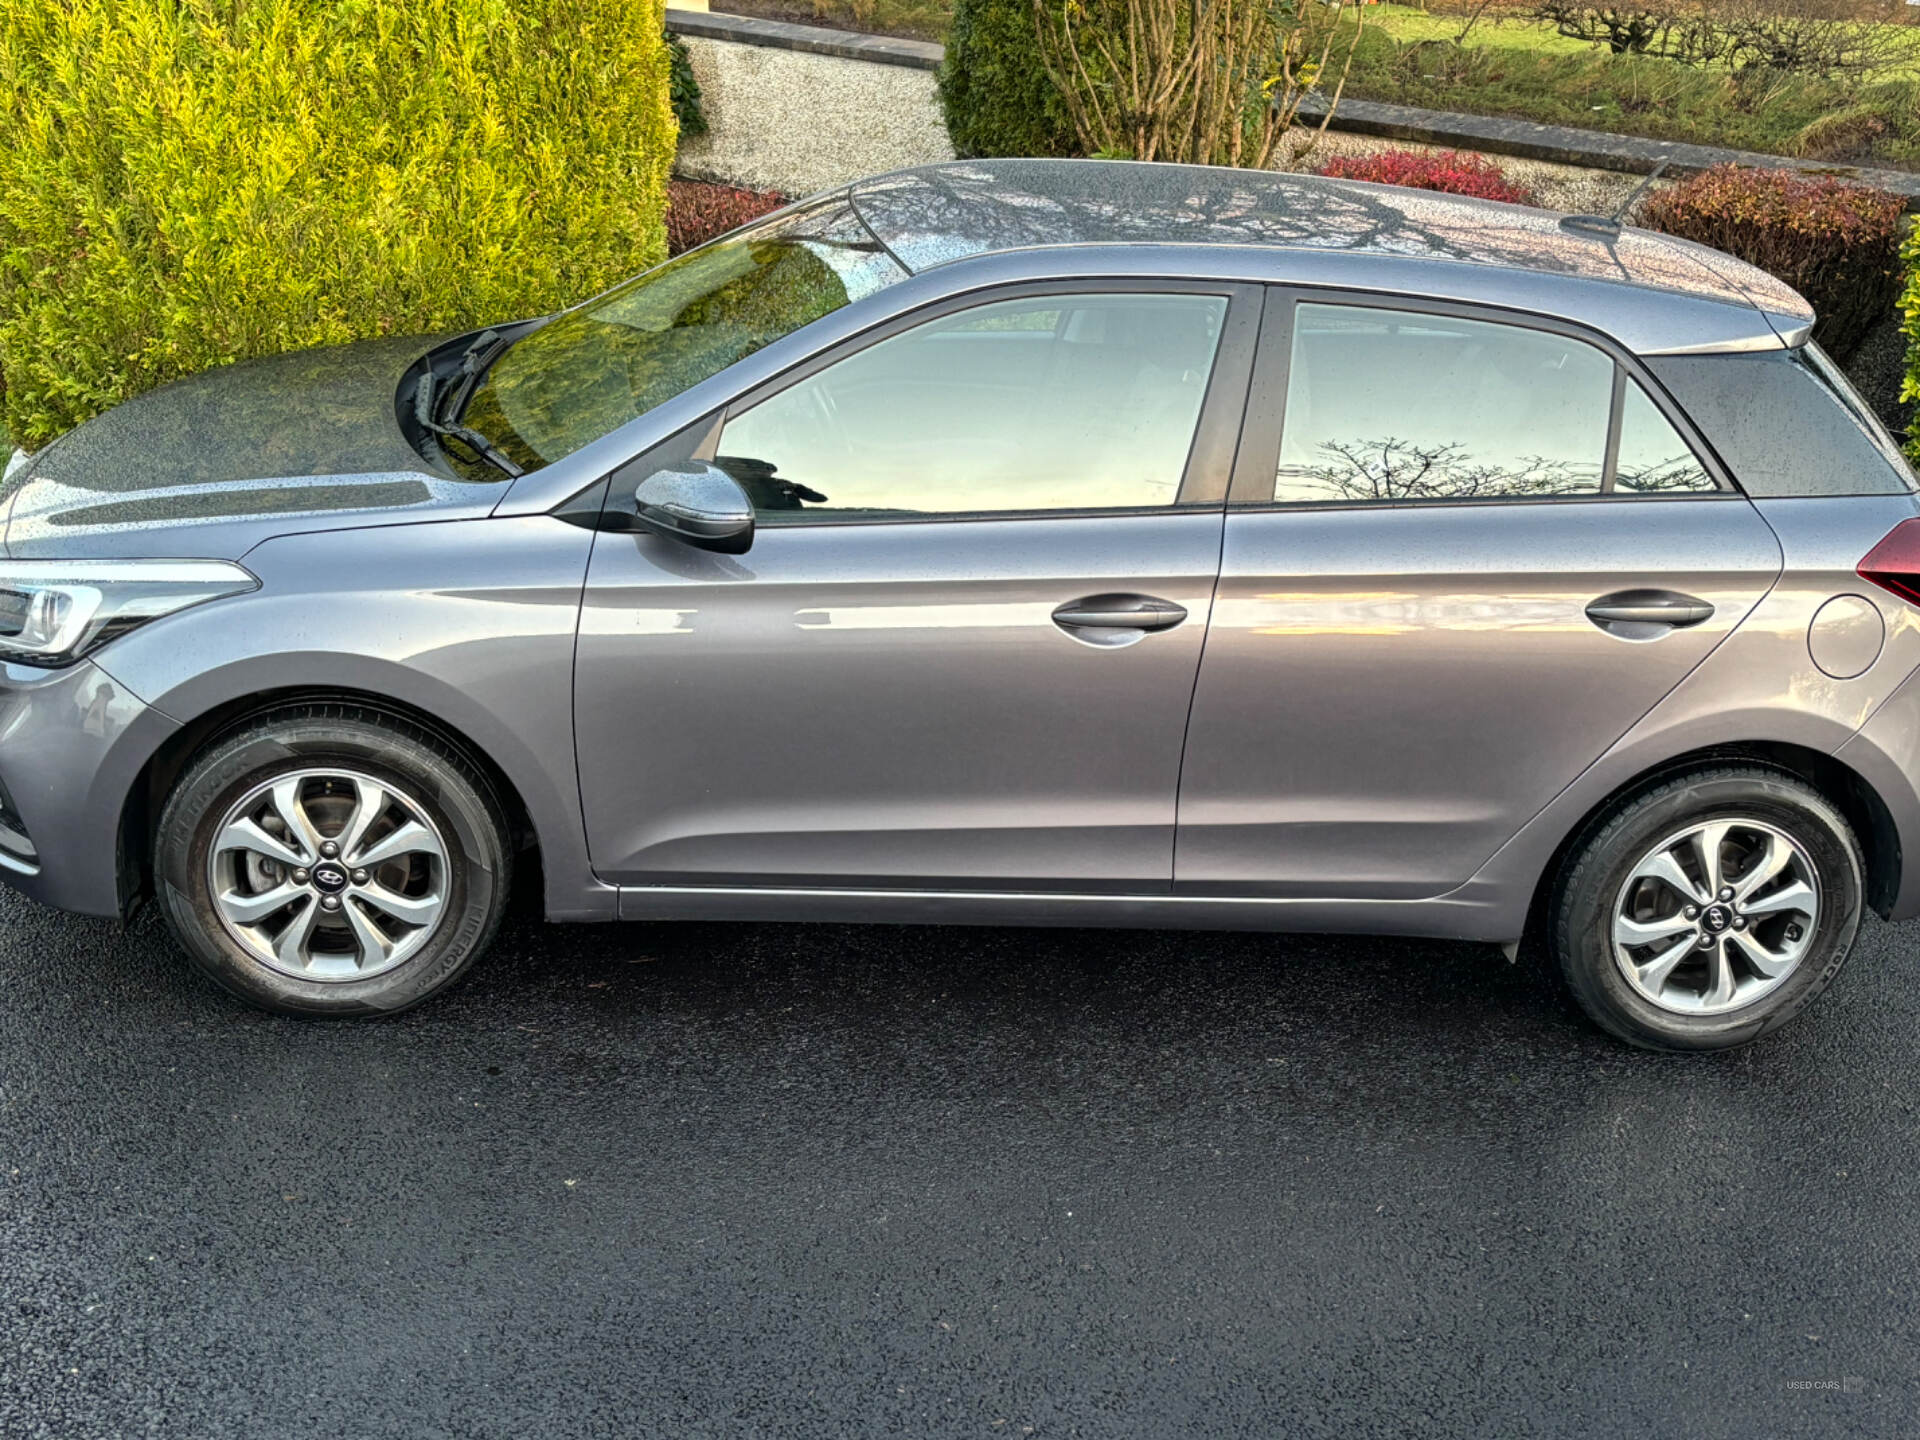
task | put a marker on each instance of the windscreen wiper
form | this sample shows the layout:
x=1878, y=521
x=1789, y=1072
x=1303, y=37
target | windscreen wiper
x=474, y=361
x=423, y=411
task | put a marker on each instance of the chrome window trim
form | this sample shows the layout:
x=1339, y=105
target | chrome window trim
x=1637, y=319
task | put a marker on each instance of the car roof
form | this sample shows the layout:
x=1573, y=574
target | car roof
x=935, y=215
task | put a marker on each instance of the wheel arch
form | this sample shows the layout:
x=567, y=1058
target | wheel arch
x=141, y=808
x=1839, y=783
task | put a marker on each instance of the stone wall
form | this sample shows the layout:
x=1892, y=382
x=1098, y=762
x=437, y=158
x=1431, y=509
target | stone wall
x=798, y=108
x=798, y=121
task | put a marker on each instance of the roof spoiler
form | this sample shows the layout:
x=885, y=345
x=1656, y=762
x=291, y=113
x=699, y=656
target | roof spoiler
x=1794, y=330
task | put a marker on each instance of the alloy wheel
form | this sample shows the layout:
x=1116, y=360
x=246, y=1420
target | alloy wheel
x=1716, y=916
x=328, y=874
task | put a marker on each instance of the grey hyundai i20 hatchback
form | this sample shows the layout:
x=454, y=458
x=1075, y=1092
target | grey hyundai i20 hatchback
x=1021, y=542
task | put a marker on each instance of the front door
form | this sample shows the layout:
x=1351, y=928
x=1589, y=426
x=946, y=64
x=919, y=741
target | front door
x=1483, y=553
x=961, y=651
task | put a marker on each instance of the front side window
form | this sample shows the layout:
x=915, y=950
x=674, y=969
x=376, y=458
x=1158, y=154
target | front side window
x=592, y=369
x=1082, y=402
x=1397, y=406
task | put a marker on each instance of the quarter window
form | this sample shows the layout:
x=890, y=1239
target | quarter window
x=1654, y=460
x=1087, y=402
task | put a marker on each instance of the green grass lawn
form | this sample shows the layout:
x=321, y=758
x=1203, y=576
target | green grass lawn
x=914, y=19
x=1521, y=68
x=1411, y=25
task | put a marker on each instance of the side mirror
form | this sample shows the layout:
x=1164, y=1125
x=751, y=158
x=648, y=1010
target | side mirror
x=697, y=504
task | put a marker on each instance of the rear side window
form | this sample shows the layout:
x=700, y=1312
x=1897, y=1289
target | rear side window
x=1782, y=426
x=1399, y=406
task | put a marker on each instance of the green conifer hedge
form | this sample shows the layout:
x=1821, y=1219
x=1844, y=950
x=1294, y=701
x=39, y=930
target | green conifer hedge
x=1910, y=308
x=185, y=183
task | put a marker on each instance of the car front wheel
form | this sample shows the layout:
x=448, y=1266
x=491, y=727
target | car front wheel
x=1710, y=910
x=331, y=861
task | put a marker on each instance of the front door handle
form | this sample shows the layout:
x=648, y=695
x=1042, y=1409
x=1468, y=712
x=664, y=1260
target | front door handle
x=1119, y=612
x=1643, y=614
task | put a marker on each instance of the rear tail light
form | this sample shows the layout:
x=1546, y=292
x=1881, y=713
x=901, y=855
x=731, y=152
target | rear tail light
x=1894, y=564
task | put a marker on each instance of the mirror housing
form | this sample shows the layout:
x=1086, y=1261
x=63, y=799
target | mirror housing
x=698, y=504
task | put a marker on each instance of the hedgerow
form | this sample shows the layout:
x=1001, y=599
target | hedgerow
x=1450, y=171
x=683, y=86
x=994, y=88
x=1910, y=310
x=698, y=211
x=189, y=182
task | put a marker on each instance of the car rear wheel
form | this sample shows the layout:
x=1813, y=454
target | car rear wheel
x=330, y=861
x=1710, y=910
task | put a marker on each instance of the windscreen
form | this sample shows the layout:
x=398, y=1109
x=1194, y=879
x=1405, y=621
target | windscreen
x=594, y=368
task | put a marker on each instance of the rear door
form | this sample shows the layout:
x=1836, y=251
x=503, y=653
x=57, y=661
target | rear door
x=1466, y=552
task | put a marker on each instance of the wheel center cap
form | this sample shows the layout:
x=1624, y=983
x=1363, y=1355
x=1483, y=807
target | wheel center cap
x=329, y=878
x=1715, y=918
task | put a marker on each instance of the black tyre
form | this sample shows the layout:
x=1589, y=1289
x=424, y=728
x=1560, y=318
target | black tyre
x=329, y=860
x=1709, y=910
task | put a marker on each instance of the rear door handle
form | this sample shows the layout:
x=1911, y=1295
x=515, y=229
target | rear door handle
x=1119, y=612
x=1641, y=614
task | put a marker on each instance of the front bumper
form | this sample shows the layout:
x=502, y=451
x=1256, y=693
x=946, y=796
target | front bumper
x=72, y=744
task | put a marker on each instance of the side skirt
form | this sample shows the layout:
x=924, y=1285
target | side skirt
x=1440, y=918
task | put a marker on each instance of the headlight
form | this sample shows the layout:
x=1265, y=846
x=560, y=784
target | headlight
x=54, y=611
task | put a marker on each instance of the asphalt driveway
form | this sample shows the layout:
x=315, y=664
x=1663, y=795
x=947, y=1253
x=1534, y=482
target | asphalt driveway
x=701, y=1181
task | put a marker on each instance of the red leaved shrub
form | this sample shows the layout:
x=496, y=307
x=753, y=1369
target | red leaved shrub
x=1835, y=242
x=1451, y=171
x=697, y=211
